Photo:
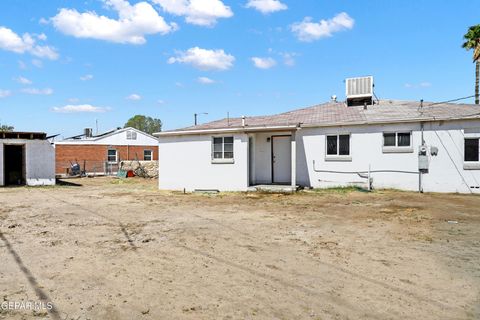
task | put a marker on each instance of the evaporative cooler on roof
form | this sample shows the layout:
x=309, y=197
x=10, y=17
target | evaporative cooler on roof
x=359, y=91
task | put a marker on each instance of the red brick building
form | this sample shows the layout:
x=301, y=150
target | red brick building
x=103, y=153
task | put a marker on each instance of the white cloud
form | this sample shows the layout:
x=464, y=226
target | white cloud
x=5, y=93
x=73, y=100
x=134, y=97
x=23, y=80
x=205, y=80
x=134, y=23
x=198, y=12
x=86, y=77
x=37, y=63
x=42, y=36
x=79, y=108
x=22, y=65
x=204, y=59
x=11, y=41
x=267, y=6
x=289, y=58
x=161, y=101
x=45, y=52
x=264, y=63
x=35, y=91
x=308, y=31
x=420, y=85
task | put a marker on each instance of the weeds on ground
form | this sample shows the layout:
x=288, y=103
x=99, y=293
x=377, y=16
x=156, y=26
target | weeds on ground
x=123, y=181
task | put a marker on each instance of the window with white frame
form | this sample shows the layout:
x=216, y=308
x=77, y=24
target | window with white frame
x=222, y=148
x=131, y=135
x=148, y=155
x=112, y=155
x=472, y=152
x=397, y=139
x=338, y=145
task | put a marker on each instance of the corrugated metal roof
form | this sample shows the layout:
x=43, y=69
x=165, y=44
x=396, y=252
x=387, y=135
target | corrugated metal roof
x=337, y=113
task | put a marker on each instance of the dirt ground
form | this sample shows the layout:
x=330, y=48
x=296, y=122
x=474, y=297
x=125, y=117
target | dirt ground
x=121, y=249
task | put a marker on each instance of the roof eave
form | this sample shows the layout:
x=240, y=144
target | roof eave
x=225, y=130
x=390, y=121
x=293, y=127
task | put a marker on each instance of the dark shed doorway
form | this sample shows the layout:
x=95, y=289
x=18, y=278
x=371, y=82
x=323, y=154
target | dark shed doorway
x=14, y=164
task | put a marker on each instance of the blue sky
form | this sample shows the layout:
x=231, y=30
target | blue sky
x=65, y=64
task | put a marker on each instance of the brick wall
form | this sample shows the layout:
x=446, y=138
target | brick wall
x=95, y=156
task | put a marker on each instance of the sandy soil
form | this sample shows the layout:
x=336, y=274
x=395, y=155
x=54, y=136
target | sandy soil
x=120, y=249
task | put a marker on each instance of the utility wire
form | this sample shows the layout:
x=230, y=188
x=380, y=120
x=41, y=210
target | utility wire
x=453, y=162
x=421, y=106
x=460, y=151
x=453, y=100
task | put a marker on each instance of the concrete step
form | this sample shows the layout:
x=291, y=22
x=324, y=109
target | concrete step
x=274, y=188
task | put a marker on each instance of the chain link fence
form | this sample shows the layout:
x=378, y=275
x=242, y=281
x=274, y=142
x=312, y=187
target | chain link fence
x=86, y=167
x=144, y=169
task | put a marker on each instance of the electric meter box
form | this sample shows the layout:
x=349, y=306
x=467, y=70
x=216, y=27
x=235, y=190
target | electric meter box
x=422, y=158
x=422, y=162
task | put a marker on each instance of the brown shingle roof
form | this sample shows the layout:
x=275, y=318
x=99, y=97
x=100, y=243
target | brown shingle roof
x=337, y=113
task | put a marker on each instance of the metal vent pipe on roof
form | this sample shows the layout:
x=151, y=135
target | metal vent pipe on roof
x=243, y=121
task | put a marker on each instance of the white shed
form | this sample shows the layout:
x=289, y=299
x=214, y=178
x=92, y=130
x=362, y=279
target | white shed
x=26, y=158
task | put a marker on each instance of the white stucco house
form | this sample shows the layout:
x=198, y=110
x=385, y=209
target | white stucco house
x=26, y=158
x=407, y=145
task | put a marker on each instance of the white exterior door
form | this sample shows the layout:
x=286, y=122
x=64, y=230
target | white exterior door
x=281, y=159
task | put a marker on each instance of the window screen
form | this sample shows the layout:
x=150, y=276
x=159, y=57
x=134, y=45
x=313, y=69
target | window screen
x=222, y=148
x=389, y=139
x=471, y=150
x=217, y=148
x=397, y=139
x=228, y=147
x=332, y=145
x=338, y=145
x=344, y=144
x=112, y=155
x=147, y=155
x=404, y=139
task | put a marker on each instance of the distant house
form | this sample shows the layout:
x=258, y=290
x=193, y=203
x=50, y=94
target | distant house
x=26, y=158
x=103, y=153
x=385, y=143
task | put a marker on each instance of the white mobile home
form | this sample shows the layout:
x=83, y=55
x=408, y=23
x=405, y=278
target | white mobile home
x=431, y=147
x=26, y=158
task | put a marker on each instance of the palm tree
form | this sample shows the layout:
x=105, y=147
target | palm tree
x=472, y=41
